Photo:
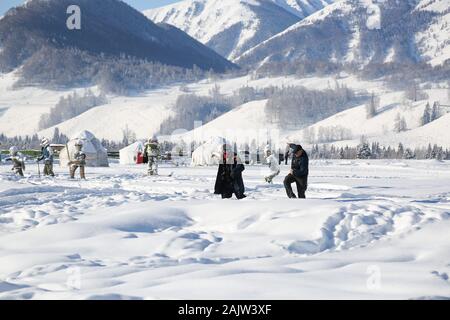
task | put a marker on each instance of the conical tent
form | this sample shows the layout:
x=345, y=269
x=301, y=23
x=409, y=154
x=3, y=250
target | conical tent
x=96, y=154
x=131, y=154
x=208, y=153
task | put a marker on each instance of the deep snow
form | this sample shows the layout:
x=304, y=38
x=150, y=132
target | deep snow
x=369, y=229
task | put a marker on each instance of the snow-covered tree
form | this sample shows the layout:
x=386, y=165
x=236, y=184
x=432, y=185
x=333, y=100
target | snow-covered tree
x=129, y=136
x=400, y=151
x=70, y=107
x=376, y=151
x=364, y=151
x=408, y=154
x=215, y=94
x=59, y=137
x=435, y=112
x=296, y=105
x=415, y=93
x=400, y=124
x=372, y=106
x=426, y=118
x=309, y=134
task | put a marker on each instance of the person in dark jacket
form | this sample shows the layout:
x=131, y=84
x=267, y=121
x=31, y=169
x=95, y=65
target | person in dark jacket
x=229, y=176
x=287, y=153
x=299, y=172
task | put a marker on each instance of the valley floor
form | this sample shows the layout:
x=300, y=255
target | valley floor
x=368, y=230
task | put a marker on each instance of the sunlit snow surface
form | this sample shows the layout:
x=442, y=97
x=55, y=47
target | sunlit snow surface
x=369, y=229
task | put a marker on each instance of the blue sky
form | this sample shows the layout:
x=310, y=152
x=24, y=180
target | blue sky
x=138, y=4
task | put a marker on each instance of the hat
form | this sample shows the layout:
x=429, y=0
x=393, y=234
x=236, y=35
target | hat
x=44, y=142
x=297, y=148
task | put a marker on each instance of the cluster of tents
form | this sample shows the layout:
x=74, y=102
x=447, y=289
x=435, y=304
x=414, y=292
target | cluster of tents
x=207, y=154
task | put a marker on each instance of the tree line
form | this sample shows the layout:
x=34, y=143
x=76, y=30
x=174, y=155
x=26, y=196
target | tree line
x=375, y=151
x=122, y=75
x=70, y=107
x=295, y=106
x=31, y=142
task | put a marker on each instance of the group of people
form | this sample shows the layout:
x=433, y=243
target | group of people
x=152, y=154
x=47, y=158
x=229, y=179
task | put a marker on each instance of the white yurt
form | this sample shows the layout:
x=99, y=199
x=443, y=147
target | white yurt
x=208, y=153
x=132, y=154
x=96, y=154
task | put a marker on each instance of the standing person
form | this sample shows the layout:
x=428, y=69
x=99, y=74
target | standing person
x=274, y=166
x=79, y=161
x=299, y=172
x=280, y=156
x=236, y=175
x=153, y=152
x=287, y=153
x=47, y=156
x=17, y=159
x=229, y=175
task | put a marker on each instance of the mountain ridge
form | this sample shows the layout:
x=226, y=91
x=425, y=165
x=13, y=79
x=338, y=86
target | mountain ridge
x=110, y=28
x=342, y=32
x=231, y=27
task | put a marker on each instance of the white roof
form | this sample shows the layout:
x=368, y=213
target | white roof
x=84, y=135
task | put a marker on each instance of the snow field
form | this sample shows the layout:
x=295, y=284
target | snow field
x=122, y=235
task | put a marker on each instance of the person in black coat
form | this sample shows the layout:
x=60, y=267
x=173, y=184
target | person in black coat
x=299, y=173
x=229, y=177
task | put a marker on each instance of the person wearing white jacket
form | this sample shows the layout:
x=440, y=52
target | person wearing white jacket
x=273, y=163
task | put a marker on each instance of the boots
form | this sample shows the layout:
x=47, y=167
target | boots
x=82, y=173
x=72, y=172
x=18, y=171
x=152, y=167
x=48, y=170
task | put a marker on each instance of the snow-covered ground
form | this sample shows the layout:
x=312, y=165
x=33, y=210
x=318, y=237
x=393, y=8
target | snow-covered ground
x=369, y=229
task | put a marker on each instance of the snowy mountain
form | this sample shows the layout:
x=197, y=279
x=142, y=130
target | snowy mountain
x=110, y=29
x=362, y=33
x=233, y=26
x=303, y=8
